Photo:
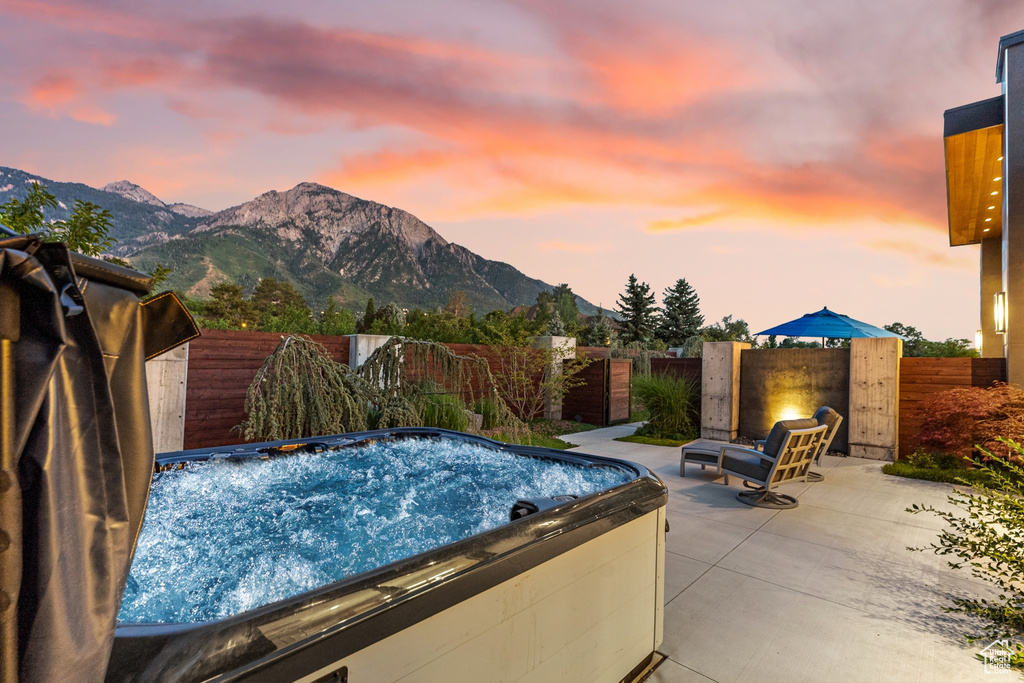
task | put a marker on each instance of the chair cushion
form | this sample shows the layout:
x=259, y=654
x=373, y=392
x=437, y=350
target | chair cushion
x=747, y=465
x=777, y=437
x=700, y=455
x=826, y=416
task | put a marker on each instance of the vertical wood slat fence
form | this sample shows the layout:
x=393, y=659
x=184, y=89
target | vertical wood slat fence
x=222, y=364
x=604, y=398
x=921, y=378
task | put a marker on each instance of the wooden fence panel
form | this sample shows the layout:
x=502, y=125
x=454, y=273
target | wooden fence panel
x=221, y=365
x=691, y=368
x=588, y=403
x=604, y=398
x=619, y=372
x=922, y=378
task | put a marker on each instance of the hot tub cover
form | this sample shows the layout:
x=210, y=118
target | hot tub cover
x=76, y=450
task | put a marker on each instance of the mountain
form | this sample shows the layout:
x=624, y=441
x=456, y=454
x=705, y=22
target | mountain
x=136, y=223
x=327, y=243
x=130, y=190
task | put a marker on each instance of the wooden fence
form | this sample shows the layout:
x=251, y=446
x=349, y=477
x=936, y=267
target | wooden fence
x=690, y=368
x=222, y=364
x=921, y=378
x=604, y=399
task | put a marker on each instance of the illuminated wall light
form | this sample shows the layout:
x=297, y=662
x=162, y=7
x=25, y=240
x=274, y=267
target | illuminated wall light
x=977, y=340
x=999, y=159
x=996, y=192
x=998, y=178
x=790, y=413
x=991, y=207
x=987, y=220
x=999, y=301
x=986, y=229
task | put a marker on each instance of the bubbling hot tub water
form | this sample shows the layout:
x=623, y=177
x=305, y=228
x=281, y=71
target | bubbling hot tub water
x=225, y=536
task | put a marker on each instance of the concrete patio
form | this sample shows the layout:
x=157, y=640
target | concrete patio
x=824, y=592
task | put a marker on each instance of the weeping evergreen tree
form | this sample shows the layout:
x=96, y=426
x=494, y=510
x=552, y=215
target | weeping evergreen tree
x=412, y=376
x=681, y=318
x=301, y=391
x=636, y=306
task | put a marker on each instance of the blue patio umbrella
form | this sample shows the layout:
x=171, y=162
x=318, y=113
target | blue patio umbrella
x=828, y=325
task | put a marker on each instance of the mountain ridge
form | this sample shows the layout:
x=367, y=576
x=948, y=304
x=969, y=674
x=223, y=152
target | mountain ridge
x=324, y=241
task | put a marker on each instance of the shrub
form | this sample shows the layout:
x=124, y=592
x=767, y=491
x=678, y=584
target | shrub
x=443, y=411
x=940, y=461
x=988, y=539
x=527, y=377
x=903, y=468
x=670, y=402
x=958, y=419
x=490, y=411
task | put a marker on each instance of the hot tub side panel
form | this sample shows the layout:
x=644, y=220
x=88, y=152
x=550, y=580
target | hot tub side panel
x=590, y=614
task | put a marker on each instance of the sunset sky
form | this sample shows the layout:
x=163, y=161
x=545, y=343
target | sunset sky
x=781, y=156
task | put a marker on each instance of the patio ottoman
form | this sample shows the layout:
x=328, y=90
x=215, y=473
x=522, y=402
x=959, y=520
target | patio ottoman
x=702, y=452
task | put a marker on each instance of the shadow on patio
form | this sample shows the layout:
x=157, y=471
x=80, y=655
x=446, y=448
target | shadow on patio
x=824, y=592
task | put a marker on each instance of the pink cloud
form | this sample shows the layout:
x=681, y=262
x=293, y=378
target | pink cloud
x=626, y=108
x=58, y=95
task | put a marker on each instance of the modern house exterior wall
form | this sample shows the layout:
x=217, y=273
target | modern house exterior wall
x=984, y=143
x=1012, y=73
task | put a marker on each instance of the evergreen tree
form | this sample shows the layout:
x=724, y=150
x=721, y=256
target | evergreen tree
x=335, y=321
x=555, y=326
x=681, y=318
x=636, y=306
x=564, y=302
x=228, y=304
x=545, y=304
x=274, y=296
x=599, y=331
x=364, y=324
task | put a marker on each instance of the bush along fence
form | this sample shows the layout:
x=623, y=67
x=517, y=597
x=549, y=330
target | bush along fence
x=923, y=378
x=197, y=398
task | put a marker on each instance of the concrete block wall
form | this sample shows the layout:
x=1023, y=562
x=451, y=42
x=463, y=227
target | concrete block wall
x=720, y=390
x=781, y=384
x=166, y=379
x=872, y=414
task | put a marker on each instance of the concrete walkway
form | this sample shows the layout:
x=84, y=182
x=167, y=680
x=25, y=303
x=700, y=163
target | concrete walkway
x=824, y=592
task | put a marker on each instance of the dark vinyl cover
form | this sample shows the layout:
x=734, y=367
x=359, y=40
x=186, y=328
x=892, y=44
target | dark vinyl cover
x=76, y=452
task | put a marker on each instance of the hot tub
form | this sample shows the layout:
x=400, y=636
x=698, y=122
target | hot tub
x=571, y=591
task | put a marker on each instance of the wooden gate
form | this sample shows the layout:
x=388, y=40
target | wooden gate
x=604, y=399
